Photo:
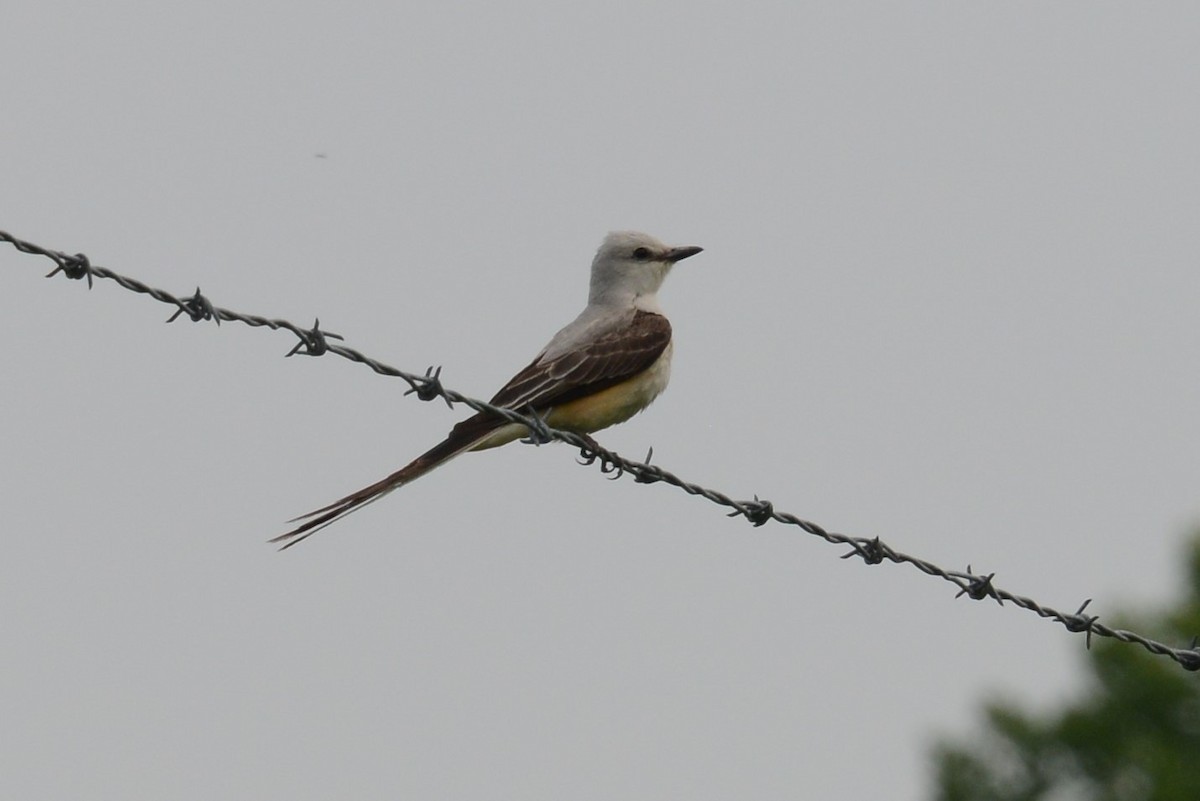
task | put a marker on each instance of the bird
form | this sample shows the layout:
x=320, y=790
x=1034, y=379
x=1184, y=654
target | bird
x=601, y=369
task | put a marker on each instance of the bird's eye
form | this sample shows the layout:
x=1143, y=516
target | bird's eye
x=641, y=254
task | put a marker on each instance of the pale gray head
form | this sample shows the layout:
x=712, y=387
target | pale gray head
x=631, y=265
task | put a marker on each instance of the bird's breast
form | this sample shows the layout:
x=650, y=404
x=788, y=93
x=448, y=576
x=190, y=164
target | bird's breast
x=617, y=403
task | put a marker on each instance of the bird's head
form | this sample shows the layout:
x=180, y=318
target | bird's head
x=630, y=265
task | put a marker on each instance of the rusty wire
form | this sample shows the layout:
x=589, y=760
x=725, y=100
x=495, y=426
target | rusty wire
x=428, y=386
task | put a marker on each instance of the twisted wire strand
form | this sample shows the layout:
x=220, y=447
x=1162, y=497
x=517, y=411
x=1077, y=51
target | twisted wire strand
x=316, y=342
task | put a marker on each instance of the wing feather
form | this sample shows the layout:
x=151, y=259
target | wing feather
x=609, y=359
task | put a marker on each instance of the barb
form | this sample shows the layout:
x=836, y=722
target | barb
x=873, y=551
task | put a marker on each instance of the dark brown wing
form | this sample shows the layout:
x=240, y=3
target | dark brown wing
x=607, y=361
x=612, y=358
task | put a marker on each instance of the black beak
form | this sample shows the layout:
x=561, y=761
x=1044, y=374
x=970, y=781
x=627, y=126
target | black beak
x=679, y=254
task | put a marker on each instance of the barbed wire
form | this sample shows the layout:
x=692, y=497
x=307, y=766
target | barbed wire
x=428, y=386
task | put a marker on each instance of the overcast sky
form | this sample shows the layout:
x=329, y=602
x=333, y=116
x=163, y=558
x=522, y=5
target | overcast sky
x=948, y=297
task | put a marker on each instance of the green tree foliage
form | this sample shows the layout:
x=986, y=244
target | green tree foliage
x=1134, y=735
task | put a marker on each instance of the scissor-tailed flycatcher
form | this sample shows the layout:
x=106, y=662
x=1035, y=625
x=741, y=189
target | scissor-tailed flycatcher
x=602, y=369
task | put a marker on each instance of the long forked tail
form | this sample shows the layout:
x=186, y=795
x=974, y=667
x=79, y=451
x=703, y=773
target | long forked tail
x=439, y=454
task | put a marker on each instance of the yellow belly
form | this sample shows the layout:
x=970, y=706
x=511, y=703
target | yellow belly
x=603, y=409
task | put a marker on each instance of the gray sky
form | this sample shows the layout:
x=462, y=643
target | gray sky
x=948, y=297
